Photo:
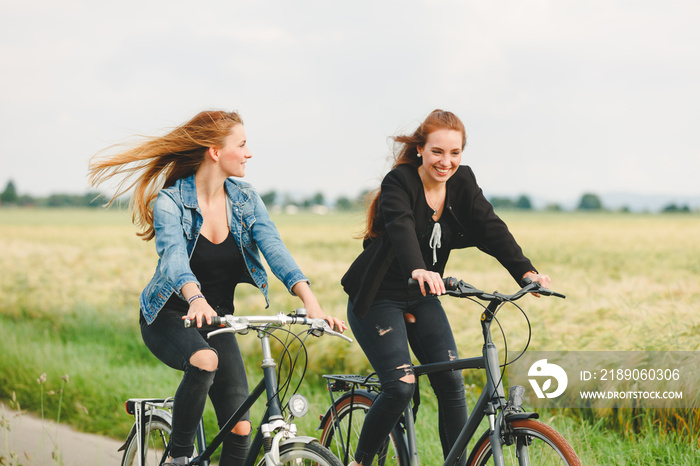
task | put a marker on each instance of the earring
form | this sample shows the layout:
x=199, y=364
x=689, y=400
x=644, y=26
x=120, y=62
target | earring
x=419, y=155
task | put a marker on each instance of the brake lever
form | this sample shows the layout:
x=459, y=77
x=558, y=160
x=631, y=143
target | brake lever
x=548, y=292
x=319, y=328
x=238, y=325
x=536, y=287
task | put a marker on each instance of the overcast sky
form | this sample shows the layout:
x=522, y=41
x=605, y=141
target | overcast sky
x=559, y=97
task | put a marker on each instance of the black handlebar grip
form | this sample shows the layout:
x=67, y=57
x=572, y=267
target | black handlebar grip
x=216, y=321
x=525, y=281
x=451, y=283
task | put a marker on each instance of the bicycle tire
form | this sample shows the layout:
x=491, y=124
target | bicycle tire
x=299, y=453
x=393, y=450
x=157, y=432
x=545, y=446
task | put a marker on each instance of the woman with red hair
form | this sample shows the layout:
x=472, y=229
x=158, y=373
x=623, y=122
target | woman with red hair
x=428, y=205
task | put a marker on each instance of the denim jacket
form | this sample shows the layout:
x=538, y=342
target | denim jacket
x=177, y=220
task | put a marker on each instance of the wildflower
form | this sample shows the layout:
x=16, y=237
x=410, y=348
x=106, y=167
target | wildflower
x=81, y=408
x=42, y=379
x=65, y=378
x=14, y=404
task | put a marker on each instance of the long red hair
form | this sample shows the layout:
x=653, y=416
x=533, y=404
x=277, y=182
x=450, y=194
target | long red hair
x=407, y=154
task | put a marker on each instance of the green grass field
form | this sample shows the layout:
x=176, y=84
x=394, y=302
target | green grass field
x=70, y=281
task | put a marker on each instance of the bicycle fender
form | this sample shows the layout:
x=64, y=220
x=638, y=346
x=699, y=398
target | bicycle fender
x=521, y=416
x=166, y=415
x=301, y=439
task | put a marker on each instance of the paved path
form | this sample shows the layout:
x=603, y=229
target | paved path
x=34, y=440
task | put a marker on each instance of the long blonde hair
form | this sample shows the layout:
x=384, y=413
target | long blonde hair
x=407, y=154
x=160, y=161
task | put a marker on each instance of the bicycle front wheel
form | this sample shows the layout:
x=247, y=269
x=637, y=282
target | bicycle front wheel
x=533, y=443
x=157, y=432
x=298, y=454
x=340, y=435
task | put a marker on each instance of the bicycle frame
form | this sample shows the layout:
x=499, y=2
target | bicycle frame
x=272, y=419
x=492, y=396
x=273, y=430
x=144, y=408
x=491, y=400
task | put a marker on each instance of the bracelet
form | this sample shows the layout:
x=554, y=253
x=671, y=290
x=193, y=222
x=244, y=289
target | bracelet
x=197, y=296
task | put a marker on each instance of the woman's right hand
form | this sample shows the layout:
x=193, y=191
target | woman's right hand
x=432, y=279
x=200, y=311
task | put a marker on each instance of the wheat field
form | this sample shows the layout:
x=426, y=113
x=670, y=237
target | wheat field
x=70, y=281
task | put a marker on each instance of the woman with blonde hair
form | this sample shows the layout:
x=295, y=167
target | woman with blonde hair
x=209, y=229
x=428, y=205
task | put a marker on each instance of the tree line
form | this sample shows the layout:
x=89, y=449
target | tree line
x=93, y=199
x=10, y=197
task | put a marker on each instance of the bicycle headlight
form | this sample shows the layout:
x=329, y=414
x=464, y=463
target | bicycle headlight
x=298, y=405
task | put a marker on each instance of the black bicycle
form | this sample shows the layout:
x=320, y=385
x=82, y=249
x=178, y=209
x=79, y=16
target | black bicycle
x=148, y=440
x=514, y=436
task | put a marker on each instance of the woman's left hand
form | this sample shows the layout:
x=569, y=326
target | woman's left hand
x=542, y=279
x=313, y=308
x=315, y=312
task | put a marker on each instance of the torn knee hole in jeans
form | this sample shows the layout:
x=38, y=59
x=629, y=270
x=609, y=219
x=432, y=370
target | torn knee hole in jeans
x=243, y=428
x=408, y=376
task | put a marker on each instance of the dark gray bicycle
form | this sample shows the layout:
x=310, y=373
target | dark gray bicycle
x=514, y=436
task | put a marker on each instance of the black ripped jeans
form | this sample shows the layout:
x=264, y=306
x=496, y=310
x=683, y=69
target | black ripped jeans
x=227, y=387
x=385, y=337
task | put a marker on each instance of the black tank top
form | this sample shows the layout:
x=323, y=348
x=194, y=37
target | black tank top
x=219, y=268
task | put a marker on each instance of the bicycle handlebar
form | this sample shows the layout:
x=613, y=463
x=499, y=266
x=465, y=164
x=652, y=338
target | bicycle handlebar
x=241, y=324
x=462, y=289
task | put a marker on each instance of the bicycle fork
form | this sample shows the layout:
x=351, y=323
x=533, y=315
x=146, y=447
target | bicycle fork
x=498, y=422
x=275, y=430
x=275, y=421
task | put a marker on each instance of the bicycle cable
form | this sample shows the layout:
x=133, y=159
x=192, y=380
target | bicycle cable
x=502, y=367
x=283, y=387
x=286, y=354
x=293, y=363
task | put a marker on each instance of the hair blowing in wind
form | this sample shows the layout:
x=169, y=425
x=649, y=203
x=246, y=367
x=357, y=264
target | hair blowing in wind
x=159, y=161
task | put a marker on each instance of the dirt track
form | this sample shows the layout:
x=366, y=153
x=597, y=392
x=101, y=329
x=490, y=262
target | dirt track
x=34, y=440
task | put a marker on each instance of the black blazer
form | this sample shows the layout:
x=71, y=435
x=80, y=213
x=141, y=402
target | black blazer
x=403, y=212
